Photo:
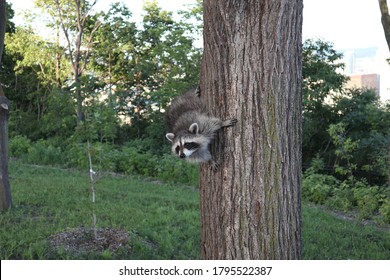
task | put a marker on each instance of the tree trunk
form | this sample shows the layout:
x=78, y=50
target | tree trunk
x=251, y=70
x=2, y=26
x=77, y=55
x=388, y=173
x=58, y=58
x=77, y=67
x=5, y=191
x=79, y=99
x=385, y=18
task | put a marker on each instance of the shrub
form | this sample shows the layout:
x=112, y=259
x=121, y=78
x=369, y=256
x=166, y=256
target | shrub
x=77, y=155
x=103, y=156
x=132, y=159
x=318, y=188
x=367, y=200
x=43, y=153
x=342, y=198
x=176, y=170
x=18, y=146
x=134, y=162
x=384, y=210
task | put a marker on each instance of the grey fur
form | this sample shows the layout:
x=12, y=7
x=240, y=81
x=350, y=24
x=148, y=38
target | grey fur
x=190, y=127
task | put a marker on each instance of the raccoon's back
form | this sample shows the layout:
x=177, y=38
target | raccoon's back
x=182, y=105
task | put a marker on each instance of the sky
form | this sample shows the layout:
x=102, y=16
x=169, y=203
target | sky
x=346, y=23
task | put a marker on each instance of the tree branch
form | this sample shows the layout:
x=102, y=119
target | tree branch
x=2, y=25
x=65, y=30
x=87, y=13
x=385, y=20
x=96, y=26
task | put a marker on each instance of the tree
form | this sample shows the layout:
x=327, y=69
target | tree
x=5, y=191
x=78, y=27
x=320, y=73
x=385, y=19
x=34, y=84
x=321, y=81
x=251, y=70
x=367, y=122
x=2, y=25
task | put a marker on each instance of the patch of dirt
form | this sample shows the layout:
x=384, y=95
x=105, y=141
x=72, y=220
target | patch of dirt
x=83, y=239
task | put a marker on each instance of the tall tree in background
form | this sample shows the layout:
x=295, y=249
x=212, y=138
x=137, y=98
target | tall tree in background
x=76, y=23
x=251, y=207
x=322, y=80
x=385, y=19
x=386, y=27
x=5, y=192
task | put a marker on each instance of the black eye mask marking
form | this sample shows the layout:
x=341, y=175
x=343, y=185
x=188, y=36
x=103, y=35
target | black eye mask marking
x=177, y=150
x=191, y=146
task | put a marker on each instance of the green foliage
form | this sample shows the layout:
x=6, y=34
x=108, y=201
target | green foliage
x=352, y=138
x=348, y=128
x=347, y=195
x=317, y=166
x=18, y=146
x=42, y=152
x=320, y=74
x=344, y=149
x=367, y=200
x=369, y=123
x=342, y=198
x=135, y=162
x=321, y=80
x=33, y=52
x=131, y=75
x=59, y=120
x=318, y=188
x=172, y=169
x=384, y=210
x=133, y=158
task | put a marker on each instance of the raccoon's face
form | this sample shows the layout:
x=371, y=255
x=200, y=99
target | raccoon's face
x=186, y=143
x=184, y=148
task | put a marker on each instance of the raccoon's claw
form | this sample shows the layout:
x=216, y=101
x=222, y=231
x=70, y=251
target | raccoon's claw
x=233, y=122
x=228, y=123
x=197, y=91
x=214, y=165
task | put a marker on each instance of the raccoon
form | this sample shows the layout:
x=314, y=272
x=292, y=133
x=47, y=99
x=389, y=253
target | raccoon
x=191, y=129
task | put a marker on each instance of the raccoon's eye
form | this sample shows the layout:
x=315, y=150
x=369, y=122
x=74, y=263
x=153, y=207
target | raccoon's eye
x=177, y=150
x=191, y=145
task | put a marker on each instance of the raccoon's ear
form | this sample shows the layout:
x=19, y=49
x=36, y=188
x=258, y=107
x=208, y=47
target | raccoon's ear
x=194, y=128
x=170, y=136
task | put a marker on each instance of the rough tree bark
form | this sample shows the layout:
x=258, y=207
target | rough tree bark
x=5, y=191
x=385, y=18
x=251, y=70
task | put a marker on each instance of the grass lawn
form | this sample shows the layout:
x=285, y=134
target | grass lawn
x=161, y=219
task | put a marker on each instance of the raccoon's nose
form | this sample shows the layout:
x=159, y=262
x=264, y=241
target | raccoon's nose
x=182, y=155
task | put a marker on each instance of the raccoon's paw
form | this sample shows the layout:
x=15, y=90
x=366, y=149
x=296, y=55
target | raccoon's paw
x=228, y=123
x=233, y=122
x=197, y=91
x=215, y=165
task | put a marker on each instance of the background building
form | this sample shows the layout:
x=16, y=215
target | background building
x=368, y=68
